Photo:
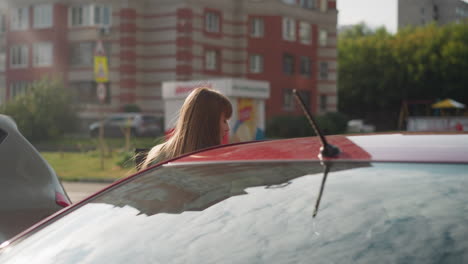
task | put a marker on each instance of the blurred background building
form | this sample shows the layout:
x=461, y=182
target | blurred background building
x=289, y=43
x=422, y=12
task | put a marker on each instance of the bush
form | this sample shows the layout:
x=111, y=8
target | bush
x=131, y=108
x=333, y=123
x=45, y=111
x=288, y=127
x=126, y=159
x=298, y=126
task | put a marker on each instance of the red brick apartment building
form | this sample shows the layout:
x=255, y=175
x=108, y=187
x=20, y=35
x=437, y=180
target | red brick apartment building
x=289, y=43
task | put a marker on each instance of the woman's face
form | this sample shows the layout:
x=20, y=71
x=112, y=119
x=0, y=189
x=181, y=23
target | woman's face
x=224, y=127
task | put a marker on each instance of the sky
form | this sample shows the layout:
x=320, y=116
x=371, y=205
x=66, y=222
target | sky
x=374, y=13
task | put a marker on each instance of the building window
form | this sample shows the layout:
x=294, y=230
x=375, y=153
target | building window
x=2, y=62
x=310, y=4
x=257, y=28
x=212, y=22
x=288, y=64
x=256, y=63
x=19, y=18
x=211, y=60
x=305, y=66
x=42, y=54
x=102, y=15
x=81, y=54
x=305, y=34
x=323, y=102
x=80, y=15
x=17, y=88
x=305, y=95
x=43, y=16
x=289, y=29
x=86, y=92
x=323, y=73
x=89, y=15
x=288, y=99
x=323, y=37
x=2, y=23
x=19, y=56
x=436, y=12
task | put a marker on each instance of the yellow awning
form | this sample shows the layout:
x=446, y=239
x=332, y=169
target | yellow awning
x=448, y=103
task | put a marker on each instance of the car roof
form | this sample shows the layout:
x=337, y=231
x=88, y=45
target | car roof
x=396, y=147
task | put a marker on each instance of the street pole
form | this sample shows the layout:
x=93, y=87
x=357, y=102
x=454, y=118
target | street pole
x=101, y=140
x=101, y=75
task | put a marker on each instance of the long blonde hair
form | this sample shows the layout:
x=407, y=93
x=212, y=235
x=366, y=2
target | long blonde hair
x=198, y=125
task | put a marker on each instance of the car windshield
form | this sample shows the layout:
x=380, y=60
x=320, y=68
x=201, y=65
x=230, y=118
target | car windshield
x=262, y=213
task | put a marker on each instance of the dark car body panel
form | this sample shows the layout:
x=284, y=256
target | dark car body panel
x=28, y=185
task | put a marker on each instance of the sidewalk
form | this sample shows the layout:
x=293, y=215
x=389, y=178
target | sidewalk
x=77, y=191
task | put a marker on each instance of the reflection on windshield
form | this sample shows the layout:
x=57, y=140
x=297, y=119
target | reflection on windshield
x=194, y=188
x=384, y=213
x=322, y=187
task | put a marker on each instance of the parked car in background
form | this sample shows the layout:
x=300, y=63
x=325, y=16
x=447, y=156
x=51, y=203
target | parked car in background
x=29, y=187
x=389, y=198
x=138, y=123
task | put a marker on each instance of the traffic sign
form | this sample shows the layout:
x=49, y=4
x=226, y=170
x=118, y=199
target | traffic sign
x=99, y=50
x=101, y=68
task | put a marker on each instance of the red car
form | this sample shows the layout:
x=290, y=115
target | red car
x=385, y=198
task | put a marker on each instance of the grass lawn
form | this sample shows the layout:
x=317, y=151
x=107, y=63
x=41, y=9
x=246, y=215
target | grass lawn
x=87, y=166
x=114, y=143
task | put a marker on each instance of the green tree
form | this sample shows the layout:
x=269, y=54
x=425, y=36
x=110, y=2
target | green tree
x=366, y=70
x=44, y=111
x=378, y=70
x=131, y=108
x=359, y=30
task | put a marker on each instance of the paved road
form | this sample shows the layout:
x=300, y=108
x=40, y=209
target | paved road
x=77, y=191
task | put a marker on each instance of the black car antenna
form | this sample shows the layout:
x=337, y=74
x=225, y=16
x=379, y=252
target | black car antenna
x=327, y=150
x=322, y=186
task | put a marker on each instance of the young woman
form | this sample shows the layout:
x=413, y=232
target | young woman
x=202, y=123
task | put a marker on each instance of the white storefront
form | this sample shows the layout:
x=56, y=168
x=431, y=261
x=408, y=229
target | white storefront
x=246, y=96
x=437, y=123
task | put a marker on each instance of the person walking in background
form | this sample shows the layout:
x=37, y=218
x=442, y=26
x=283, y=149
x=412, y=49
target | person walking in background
x=202, y=123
